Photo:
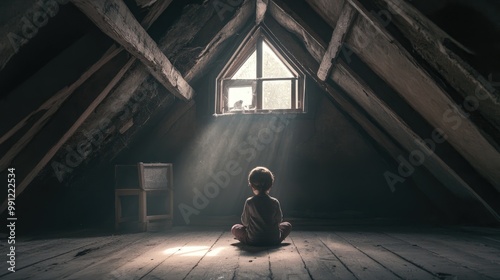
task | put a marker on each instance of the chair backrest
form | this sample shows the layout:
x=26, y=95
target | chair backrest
x=155, y=176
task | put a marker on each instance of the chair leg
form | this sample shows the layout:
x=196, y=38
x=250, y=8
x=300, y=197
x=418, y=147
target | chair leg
x=142, y=210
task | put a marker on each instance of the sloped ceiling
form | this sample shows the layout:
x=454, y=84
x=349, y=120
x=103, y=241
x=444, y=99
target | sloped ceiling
x=94, y=73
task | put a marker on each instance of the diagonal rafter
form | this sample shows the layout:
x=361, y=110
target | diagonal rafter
x=260, y=10
x=339, y=33
x=438, y=167
x=115, y=19
x=137, y=75
x=51, y=105
x=56, y=101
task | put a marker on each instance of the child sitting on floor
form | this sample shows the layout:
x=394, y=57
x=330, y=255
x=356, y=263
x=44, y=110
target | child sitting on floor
x=262, y=219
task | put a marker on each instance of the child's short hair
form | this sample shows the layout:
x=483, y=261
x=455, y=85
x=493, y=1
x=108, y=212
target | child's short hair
x=261, y=179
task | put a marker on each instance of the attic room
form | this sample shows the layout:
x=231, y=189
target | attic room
x=130, y=129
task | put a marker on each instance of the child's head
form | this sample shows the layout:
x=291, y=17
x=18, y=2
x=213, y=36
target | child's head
x=261, y=179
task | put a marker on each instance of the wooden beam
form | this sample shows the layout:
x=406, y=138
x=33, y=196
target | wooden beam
x=145, y=3
x=35, y=160
x=285, y=17
x=330, y=10
x=260, y=10
x=115, y=19
x=380, y=137
x=364, y=96
x=36, y=156
x=341, y=29
x=49, y=107
x=437, y=167
x=388, y=59
x=213, y=48
x=205, y=53
x=154, y=12
x=174, y=41
x=429, y=41
x=76, y=59
x=380, y=51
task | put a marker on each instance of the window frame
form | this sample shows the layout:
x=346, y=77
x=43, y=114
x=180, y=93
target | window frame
x=253, y=42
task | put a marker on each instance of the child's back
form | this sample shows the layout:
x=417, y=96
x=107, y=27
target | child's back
x=262, y=217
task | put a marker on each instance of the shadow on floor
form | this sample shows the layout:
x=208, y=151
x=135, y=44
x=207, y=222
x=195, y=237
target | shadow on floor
x=256, y=250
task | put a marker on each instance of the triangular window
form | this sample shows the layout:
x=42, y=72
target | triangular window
x=258, y=79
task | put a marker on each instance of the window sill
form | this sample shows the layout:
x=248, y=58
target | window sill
x=262, y=112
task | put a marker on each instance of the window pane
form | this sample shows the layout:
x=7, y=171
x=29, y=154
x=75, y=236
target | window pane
x=276, y=95
x=249, y=69
x=272, y=66
x=239, y=98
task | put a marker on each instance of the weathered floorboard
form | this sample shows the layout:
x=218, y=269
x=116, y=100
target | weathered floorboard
x=286, y=263
x=37, y=262
x=209, y=253
x=320, y=261
x=221, y=261
x=253, y=263
x=438, y=265
x=358, y=262
x=458, y=253
x=399, y=266
x=67, y=264
x=131, y=262
x=179, y=260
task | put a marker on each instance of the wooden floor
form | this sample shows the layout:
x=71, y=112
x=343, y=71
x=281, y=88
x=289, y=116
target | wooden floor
x=208, y=253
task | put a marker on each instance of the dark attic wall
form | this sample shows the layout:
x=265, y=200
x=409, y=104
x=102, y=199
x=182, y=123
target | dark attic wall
x=327, y=162
x=325, y=167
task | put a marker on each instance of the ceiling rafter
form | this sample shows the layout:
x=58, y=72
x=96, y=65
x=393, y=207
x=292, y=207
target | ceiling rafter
x=213, y=48
x=145, y=3
x=115, y=19
x=392, y=123
x=445, y=172
x=386, y=56
x=50, y=106
x=53, y=104
x=429, y=41
x=380, y=136
x=339, y=33
x=260, y=10
x=285, y=17
x=69, y=118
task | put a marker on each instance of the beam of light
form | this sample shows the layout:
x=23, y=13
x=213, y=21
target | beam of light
x=246, y=141
x=196, y=251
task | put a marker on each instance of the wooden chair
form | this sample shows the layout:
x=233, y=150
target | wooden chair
x=151, y=186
